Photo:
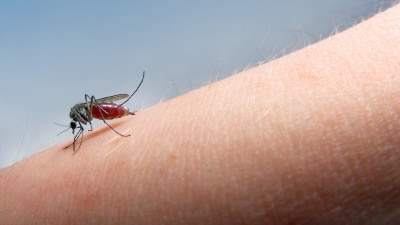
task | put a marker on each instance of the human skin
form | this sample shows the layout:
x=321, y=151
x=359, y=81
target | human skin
x=309, y=138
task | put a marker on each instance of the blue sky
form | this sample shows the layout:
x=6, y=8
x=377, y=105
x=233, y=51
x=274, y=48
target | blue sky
x=54, y=52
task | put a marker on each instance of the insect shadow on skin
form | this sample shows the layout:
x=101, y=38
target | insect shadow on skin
x=102, y=109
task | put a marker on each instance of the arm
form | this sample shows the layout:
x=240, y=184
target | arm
x=312, y=137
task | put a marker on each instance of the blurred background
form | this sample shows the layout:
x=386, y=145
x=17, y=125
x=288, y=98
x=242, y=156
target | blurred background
x=54, y=52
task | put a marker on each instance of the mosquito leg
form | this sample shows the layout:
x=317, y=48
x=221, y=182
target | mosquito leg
x=91, y=127
x=134, y=91
x=92, y=100
x=89, y=106
x=68, y=145
x=123, y=135
x=79, y=134
x=76, y=137
x=88, y=97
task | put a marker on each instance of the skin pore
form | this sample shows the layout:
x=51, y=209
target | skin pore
x=309, y=138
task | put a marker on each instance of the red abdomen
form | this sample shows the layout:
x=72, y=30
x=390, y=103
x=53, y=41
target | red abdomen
x=109, y=111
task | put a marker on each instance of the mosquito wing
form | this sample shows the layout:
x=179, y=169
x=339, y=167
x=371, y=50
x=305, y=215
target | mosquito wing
x=112, y=98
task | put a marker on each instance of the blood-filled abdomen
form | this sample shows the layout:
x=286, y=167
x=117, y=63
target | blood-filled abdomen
x=109, y=111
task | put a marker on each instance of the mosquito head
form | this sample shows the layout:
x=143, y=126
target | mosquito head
x=72, y=125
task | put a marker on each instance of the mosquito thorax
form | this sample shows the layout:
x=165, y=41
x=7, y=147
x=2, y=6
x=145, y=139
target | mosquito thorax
x=80, y=113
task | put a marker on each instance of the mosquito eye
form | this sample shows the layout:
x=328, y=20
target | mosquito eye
x=72, y=125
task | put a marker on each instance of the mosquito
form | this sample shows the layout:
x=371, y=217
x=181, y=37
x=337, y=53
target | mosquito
x=103, y=109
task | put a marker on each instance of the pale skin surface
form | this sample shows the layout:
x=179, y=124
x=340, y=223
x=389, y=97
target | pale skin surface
x=310, y=138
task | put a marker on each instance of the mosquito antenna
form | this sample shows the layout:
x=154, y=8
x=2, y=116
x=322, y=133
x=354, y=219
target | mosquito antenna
x=63, y=131
x=78, y=134
x=62, y=125
x=133, y=92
